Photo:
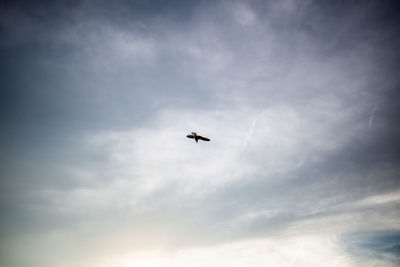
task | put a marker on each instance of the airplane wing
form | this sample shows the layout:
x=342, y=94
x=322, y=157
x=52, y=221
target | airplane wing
x=203, y=138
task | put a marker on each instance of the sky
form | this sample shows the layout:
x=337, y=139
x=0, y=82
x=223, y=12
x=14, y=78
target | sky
x=299, y=98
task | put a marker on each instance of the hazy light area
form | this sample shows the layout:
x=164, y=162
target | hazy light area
x=299, y=98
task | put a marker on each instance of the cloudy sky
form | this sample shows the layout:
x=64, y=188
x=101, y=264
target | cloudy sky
x=299, y=98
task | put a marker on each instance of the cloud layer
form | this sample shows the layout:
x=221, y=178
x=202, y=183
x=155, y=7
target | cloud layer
x=300, y=101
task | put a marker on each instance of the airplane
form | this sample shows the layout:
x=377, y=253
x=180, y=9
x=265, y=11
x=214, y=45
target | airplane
x=197, y=137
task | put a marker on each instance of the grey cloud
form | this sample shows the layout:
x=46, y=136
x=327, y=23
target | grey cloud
x=74, y=69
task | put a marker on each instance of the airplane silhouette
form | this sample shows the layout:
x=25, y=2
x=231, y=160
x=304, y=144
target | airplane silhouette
x=197, y=137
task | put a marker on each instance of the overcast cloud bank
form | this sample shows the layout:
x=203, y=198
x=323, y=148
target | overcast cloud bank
x=300, y=101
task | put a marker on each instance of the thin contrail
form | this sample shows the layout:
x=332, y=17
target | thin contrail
x=251, y=130
x=371, y=117
x=247, y=139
